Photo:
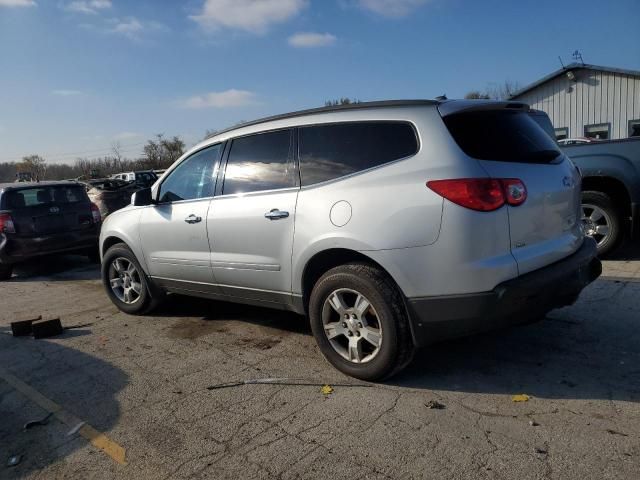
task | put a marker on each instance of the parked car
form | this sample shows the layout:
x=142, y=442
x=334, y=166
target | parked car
x=44, y=218
x=610, y=190
x=414, y=221
x=143, y=178
x=110, y=194
x=576, y=141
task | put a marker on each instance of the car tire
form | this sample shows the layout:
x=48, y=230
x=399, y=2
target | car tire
x=5, y=272
x=133, y=293
x=349, y=306
x=599, y=212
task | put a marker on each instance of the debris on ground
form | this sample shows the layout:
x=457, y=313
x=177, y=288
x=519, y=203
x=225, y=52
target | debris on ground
x=521, y=397
x=80, y=325
x=435, y=405
x=615, y=432
x=533, y=423
x=42, y=421
x=541, y=451
x=14, y=460
x=22, y=327
x=291, y=382
x=75, y=429
x=326, y=390
x=47, y=328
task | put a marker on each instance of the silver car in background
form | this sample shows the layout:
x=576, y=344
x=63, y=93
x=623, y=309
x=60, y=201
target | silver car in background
x=391, y=225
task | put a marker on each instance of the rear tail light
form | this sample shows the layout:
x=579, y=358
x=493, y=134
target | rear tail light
x=481, y=194
x=95, y=211
x=6, y=223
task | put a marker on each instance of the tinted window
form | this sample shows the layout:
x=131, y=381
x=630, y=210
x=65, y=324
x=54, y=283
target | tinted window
x=502, y=135
x=193, y=178
x=332, y=151
x=33, y=197
x=260, y=162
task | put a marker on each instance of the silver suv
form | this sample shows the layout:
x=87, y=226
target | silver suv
x=390, y=225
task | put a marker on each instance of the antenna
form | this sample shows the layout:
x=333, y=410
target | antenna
x=561, y=63
x=577, y=56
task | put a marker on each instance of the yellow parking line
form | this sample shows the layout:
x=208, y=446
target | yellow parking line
x=97, y=439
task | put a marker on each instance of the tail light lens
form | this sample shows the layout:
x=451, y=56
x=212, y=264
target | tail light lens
x=481, y=194
x=95, y=211
x=6, y=223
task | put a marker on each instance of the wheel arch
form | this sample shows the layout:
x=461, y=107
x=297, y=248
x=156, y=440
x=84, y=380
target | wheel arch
x=614, y=188
x=323, y=261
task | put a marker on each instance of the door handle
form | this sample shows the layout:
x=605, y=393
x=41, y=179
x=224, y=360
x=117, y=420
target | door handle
x=193, y=219
x=276, y=214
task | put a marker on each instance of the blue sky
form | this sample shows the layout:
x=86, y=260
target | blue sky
x=76, y=75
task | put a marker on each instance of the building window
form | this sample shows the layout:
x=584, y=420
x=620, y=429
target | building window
x=634, y=128
x=599, y=131
x=562, y=133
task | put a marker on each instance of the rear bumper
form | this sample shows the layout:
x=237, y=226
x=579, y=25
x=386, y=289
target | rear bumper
x=18, y=249
x=521, y=300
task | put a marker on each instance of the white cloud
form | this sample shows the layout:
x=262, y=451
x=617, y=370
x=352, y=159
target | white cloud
x=87, y=6
x=227, y=99
x=253, y=16
x=133, y=28
x=127, y=135
x=17, y=3
x=67, y=93
x=310, y=40
x=391, y=8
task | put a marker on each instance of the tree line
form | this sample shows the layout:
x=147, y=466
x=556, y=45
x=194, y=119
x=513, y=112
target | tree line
x=157, y=153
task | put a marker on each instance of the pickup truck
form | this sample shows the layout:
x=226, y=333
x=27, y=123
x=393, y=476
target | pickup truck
x=610, y=189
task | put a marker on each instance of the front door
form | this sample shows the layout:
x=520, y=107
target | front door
x=174, y=231
x=251, y=222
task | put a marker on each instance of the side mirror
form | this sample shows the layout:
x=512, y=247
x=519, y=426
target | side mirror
x=142, y=198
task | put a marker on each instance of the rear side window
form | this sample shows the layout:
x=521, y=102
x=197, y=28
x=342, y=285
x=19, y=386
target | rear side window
x=335, y=150
x=32, y=197
x=260, y=162
x=502, y=135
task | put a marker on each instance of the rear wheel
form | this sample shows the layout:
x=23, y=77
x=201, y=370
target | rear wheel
x=5, y=272
x=602, y=220
x=125, y=281
x=359, y=322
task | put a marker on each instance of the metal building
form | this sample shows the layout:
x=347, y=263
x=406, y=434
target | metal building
x=588, y=101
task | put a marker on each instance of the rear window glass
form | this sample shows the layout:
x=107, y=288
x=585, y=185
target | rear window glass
x=332, y=151
x=505, y=136
x=31, y=197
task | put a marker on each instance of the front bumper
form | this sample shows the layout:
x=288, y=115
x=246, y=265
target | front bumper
x=522, y=300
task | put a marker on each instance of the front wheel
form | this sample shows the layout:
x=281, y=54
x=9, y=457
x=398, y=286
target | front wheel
x=125, y=282
x=359, y=322
x=601, y=220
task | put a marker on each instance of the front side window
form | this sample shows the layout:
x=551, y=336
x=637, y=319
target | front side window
x=260, y=162
x=335, y=150
x=599, y=132
x=193, y=178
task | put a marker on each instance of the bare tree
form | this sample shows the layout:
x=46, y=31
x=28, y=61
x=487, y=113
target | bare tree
x=34, y=165
x=116, y=149
x=340, y=101
x=476, y=95
x=502, y=91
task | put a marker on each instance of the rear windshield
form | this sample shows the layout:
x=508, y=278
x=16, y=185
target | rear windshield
x=32, y=197
x=502, y=135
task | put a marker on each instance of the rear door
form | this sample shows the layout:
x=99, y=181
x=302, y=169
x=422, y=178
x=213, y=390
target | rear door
x=47, y=210
x=508, y=143
x=251, y=223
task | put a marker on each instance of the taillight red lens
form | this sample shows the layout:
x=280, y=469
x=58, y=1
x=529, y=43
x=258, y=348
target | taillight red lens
x=481, y=194
x=95, y=211
x=6, y=223
x=515, y=192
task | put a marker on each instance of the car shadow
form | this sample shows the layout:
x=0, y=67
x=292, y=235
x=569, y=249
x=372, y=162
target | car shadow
x=630, y=251
x=56, y=268
x=589, y=351
x=81, y=384
x=212, y=311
